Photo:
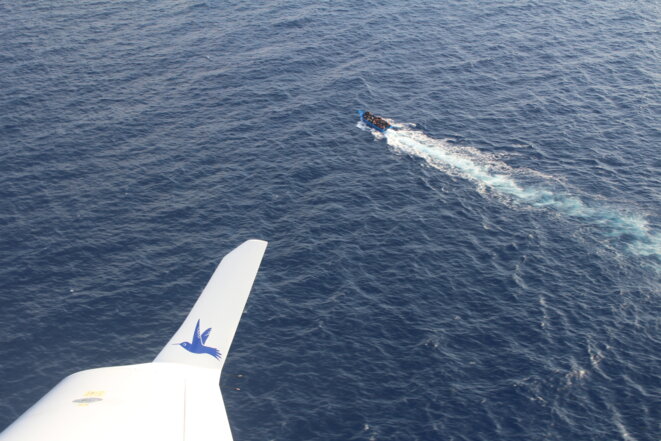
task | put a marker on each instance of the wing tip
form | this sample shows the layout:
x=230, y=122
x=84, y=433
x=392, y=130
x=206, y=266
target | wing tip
x=218, y=307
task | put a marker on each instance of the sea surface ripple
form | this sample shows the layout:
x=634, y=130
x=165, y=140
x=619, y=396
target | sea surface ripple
x=487, y=271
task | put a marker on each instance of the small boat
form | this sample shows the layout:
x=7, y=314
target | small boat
x=375, y=122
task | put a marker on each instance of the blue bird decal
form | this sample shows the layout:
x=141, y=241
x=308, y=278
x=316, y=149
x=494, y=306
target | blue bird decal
x=196, y=346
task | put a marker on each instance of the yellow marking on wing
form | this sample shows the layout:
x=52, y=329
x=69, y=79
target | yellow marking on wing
x=94, y=393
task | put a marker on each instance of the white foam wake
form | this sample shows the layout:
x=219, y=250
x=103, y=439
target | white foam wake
x=523, y=187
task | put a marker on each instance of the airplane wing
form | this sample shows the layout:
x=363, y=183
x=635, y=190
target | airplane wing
x=175, y=398
x=219, y=307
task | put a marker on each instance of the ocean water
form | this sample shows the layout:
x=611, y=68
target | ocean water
x=487, y=270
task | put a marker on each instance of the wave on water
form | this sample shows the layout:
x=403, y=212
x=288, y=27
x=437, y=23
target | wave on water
x=527, y=187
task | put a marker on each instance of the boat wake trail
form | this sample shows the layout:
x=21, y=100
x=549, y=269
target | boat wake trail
x=526, y=188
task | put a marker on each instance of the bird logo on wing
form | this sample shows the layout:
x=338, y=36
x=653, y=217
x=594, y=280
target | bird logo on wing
x=196, y=346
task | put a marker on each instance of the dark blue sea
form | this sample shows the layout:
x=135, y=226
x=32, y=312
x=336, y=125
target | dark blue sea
x=487, y=270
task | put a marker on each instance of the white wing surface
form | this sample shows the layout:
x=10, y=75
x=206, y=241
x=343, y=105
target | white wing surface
x=176, y=397
x=217, y=311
